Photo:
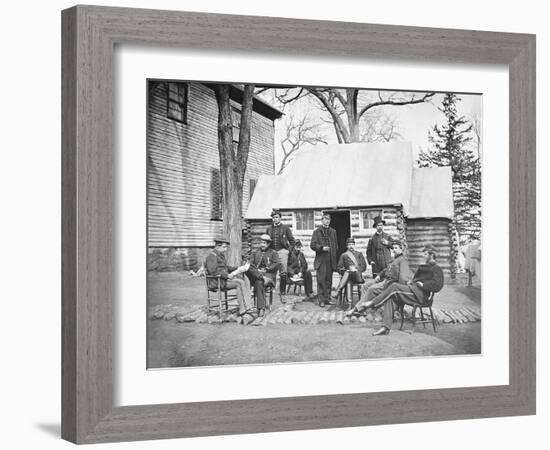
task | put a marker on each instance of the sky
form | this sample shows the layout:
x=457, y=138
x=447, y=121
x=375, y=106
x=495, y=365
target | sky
x=413, y=121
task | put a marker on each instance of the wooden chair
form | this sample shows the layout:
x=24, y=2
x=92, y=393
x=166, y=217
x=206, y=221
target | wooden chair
x=222, y=299
x=424, y=319
x=296, y=284
x=343, y=299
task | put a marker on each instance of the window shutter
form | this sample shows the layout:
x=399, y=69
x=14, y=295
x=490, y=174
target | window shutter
x=215, y=194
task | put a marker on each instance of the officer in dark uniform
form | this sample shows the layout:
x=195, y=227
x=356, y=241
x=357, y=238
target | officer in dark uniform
x=325, y=245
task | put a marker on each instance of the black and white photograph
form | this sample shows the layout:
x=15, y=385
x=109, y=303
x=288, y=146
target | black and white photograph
x=294, y=224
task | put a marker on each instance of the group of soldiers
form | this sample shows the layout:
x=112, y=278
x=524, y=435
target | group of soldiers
x=393, y=283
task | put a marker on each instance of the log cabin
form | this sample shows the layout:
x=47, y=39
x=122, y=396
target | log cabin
x=355, y=183
x=183, y=179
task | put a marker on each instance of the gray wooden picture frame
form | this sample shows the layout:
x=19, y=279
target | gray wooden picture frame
x=89, y=36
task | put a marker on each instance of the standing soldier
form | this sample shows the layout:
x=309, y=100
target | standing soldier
x=325, y=246
x=282, y=241
x=378, y=249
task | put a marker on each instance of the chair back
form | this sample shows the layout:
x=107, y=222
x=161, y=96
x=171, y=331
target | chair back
x=211, y=285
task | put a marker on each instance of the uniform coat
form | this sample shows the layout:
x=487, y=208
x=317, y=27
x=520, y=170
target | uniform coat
x=431, y=277
x=215, y=265
x=325, y=262
x=268, y=259
x=285, y=233
x=345, y=262
x=378, y=252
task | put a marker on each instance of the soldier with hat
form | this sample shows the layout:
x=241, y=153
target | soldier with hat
x=264, y=263
x=282, y=242
x=351, y=266
x=427, y=279
x=216, y=265
x=378, y=248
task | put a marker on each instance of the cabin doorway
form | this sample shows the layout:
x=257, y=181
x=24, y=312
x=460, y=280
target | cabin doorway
x=340, y=221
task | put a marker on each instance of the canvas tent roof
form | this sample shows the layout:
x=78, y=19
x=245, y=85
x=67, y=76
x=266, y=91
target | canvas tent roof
x=349, y=175
x=431, y=193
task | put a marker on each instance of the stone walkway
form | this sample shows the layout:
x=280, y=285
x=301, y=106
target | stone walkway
x=300, y=313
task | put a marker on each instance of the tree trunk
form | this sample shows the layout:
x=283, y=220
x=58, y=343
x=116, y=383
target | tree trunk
x=231, y=213
x=233, y=165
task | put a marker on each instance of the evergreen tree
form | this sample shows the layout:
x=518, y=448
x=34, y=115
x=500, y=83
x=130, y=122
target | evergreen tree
x=452, y=147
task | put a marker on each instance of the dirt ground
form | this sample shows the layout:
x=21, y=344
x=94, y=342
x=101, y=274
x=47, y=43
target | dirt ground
x=173, y=344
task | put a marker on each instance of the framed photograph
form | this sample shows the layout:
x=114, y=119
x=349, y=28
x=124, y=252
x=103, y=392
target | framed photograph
x=268, y=230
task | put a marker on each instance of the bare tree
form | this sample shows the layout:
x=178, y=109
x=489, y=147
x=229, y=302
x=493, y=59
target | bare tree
x=348, y=109
x=233, y=164
x=298, y=133
x=379, y=126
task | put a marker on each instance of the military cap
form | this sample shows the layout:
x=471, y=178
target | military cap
x=350, y=240
x=265, y=237
x=275, y=212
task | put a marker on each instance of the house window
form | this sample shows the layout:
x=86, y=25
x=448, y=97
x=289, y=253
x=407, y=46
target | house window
x=215, y=194
x=251, y=187
x=304, y=220
x=177, y=102
x=367, y=217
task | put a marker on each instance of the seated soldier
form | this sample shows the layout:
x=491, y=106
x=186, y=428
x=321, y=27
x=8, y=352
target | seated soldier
x=216, y=264
x=297, y=267
x=351, y=266
x=397, y=272
x=264, y=263
x=427, y=279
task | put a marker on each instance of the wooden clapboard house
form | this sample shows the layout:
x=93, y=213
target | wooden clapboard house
x=356, y=183
x=183, y=179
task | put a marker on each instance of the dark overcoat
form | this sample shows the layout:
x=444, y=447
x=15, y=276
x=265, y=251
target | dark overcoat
x=324, y=237
x=378, y=252
x=431, y=277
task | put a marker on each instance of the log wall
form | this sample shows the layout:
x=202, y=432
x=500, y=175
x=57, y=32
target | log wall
x=437, y=232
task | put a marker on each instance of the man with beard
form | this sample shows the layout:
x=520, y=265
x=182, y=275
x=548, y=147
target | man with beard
x=427, y=279
x=324, y=244
x=378, y=248
x=397, y=272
